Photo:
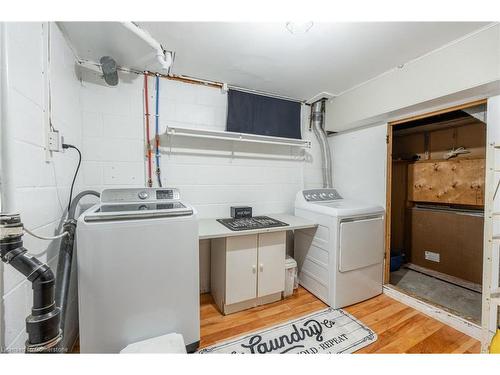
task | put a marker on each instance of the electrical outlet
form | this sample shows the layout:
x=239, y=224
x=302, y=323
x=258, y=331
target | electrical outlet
x=54, y=142
x=432, y=256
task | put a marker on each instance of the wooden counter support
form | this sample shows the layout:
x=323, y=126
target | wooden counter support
x=459, y=181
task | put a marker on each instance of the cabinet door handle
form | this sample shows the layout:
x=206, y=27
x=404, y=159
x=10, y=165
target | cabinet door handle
x=254, y=268
x=261, y=267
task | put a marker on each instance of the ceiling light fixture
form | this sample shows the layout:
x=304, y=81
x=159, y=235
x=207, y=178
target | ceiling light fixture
x=299, y=27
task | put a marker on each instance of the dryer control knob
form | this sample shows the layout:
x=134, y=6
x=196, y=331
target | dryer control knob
x=143, y=195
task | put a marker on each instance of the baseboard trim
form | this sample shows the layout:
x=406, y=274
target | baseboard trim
x=454, y=321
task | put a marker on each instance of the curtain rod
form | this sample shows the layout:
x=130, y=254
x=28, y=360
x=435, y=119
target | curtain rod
x=264, y=93
x=194, y=81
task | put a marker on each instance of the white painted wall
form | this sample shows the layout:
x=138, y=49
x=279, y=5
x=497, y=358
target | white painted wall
x=212, y=175
x=470, y=66
x=40, y=189
x=359, y=163
x=107, y=124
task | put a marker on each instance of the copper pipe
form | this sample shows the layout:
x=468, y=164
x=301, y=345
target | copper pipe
x=192, y=81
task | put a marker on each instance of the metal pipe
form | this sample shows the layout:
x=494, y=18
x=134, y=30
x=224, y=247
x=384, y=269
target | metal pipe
x=317, y=123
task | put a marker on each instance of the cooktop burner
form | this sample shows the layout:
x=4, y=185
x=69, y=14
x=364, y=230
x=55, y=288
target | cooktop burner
x=256, y=222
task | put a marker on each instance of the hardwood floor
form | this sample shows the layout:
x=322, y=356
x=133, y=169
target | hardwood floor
x=400, y=329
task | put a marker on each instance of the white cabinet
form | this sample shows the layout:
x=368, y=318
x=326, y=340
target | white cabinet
x=241, y=268
x=271, y=259
x=247, y=270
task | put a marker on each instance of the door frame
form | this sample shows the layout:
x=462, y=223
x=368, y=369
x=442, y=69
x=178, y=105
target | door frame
x=389, y=139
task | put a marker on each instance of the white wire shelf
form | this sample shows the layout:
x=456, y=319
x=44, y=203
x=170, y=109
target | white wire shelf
x=237, y=137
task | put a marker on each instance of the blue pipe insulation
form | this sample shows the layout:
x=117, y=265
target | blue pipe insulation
x=157, y=130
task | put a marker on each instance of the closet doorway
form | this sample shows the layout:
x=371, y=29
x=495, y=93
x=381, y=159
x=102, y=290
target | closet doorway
x=435, y=208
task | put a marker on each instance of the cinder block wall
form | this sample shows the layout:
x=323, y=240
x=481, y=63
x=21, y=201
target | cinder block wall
x=40, y=188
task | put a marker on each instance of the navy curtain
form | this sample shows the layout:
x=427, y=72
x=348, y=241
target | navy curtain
x=258, y=114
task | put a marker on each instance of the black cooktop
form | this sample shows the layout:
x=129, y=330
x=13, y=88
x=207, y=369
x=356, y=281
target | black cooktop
x=256, y=222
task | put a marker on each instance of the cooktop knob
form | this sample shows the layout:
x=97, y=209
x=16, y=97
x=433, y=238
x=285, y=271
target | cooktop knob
x=143, y=195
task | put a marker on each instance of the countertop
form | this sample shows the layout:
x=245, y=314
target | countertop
x=211, y=228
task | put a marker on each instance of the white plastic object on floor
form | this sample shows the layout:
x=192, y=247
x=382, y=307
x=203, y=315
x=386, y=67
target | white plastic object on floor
x=291, y=277
x=171, y=343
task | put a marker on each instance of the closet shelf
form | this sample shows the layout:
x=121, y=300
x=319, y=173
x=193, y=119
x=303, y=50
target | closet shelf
x=237, y=137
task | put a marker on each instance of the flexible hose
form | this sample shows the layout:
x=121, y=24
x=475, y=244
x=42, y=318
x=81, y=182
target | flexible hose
x=76, y=200
x=317, y=120
x=48, y=238
x=65, y=260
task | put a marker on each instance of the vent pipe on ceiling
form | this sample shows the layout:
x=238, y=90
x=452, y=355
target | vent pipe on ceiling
x=163, y=57
x=317, y=124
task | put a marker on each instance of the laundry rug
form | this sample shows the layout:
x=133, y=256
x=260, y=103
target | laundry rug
x=330, y=331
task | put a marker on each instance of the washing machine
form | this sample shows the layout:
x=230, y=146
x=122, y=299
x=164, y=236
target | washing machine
x=138, y=269
x=341, y=261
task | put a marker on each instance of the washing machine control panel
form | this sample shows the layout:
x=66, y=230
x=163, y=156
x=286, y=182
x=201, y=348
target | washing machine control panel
x=318, y=195
x=139, y=195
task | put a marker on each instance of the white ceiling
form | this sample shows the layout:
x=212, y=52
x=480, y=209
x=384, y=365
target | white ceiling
x=92, y=40
x=330, y=57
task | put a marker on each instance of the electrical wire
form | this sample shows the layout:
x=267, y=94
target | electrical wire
x=48, y=238
x=148, y=142
x=157, y=131
x=63, y=234
x=66, y=146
